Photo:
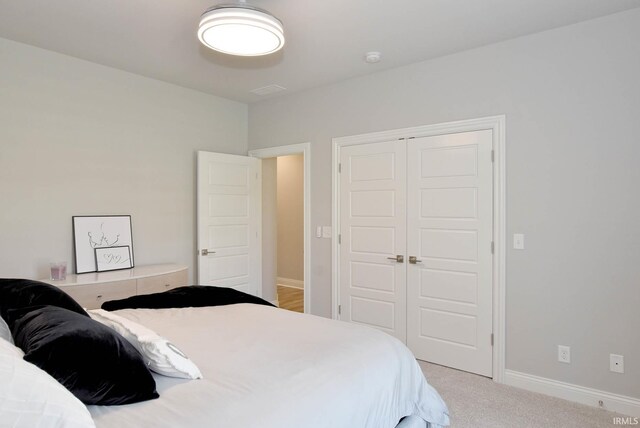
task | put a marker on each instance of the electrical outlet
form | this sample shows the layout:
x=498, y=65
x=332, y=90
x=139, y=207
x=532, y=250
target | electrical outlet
x=564, y=354
x=616, y=363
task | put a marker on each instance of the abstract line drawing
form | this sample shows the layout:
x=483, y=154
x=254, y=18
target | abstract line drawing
x=93, y=232
x=102, y=240
x=113, y=258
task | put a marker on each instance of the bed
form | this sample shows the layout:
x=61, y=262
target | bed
x=272, y=368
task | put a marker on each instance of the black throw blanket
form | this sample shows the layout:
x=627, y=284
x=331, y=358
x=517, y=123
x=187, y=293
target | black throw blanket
x=195, y=296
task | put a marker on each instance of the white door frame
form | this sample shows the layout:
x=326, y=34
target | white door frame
x=497, y=125
x=305, y=150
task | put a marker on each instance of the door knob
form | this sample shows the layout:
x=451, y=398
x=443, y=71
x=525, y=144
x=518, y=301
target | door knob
x=399, y=258
x=206, y=252
x=413, y=260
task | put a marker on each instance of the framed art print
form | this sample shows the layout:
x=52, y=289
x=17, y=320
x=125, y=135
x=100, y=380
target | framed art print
x=91, y=232
x=113, y=258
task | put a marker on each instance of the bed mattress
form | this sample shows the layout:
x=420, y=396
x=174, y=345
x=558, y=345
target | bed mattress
x=272, y=368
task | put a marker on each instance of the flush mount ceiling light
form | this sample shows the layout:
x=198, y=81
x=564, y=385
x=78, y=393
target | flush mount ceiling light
x=240, y=29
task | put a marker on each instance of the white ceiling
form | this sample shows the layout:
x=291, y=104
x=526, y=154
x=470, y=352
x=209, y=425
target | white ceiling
x=326, y=39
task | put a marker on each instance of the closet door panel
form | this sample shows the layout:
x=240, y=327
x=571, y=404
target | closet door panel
x=449, y=225
x=373, y=233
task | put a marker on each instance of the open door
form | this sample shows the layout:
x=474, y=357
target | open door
x=229, y=221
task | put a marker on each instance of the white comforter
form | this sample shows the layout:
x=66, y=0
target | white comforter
x=270, y=368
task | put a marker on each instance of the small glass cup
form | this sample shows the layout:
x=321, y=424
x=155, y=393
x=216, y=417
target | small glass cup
x=58, y=271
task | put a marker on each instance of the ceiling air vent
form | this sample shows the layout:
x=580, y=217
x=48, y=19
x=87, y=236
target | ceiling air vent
x=267, y=90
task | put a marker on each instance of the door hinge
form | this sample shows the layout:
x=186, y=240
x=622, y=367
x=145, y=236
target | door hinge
x=493, y=155
x=339, y=309
x=339, y=168
x=491, y=339
x=339, y=239
x=492, y=247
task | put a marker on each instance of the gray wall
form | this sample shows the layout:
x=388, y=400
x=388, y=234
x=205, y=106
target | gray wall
x=291, y=217
x=572, y=101
x=79, y=138
x=269, y=228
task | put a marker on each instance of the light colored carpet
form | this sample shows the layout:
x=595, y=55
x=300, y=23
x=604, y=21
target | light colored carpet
x=477, y=402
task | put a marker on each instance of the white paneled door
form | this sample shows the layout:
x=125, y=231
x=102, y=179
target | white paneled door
x=450, y=215
x=373, y=234
x=416, y=227
x=229, y=216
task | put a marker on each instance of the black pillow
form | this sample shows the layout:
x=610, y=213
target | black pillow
x=20, y=293
x=91, y=360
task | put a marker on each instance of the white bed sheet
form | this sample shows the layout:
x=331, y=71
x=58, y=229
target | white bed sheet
x=271, y=368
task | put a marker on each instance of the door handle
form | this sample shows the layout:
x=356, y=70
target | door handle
x=206, y=252
x=413, y=260
x=399, y=258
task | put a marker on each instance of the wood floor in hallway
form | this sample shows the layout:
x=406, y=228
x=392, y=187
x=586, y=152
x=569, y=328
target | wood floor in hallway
x=291, y=298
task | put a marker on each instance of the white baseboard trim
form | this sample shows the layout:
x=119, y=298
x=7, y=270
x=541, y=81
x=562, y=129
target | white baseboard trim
x=288, y=282
x=579, y=394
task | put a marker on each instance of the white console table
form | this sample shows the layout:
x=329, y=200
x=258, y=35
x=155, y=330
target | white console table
x=93, y=289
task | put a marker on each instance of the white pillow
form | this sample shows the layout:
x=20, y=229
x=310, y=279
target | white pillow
x=9, y=348
x=161, y=356
x=29, y=397
x=5, y=332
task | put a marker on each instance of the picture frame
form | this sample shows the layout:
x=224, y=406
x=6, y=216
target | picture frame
x=101, y=231
x=113, y=258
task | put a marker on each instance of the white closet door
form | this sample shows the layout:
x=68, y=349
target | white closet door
x=372, y=226
x=229, y=219
x=449, y=291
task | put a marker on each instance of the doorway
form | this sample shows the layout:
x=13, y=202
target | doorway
x=289, y=213
x=286, y=226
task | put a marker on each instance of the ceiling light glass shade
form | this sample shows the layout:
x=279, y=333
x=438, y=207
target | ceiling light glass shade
x=241, y=30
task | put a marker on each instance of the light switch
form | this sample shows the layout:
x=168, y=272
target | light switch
x=319, y=232
x=326, y=231
x=518, y=241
